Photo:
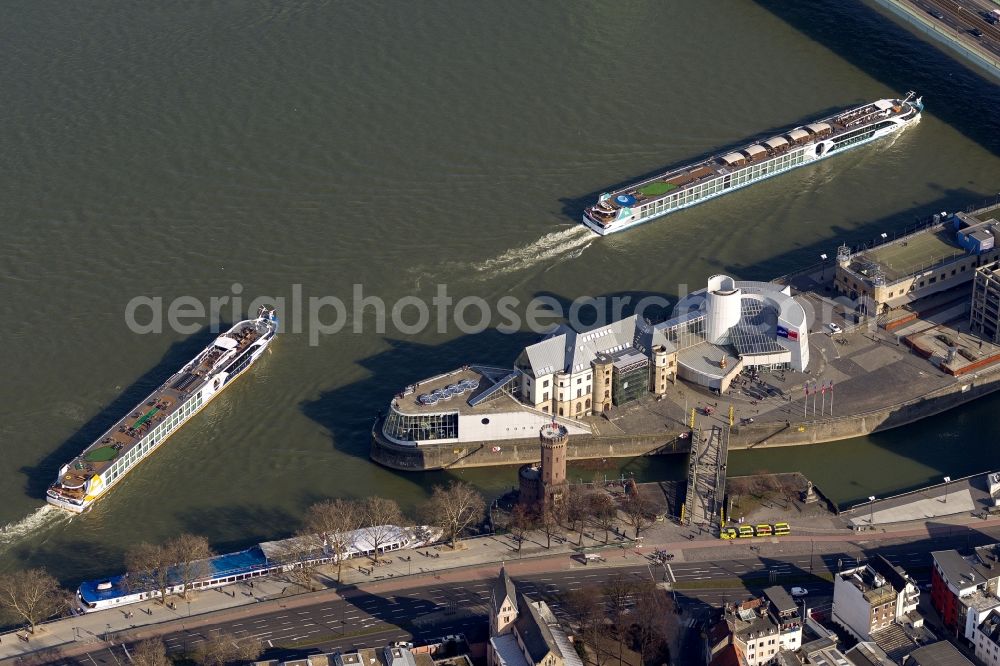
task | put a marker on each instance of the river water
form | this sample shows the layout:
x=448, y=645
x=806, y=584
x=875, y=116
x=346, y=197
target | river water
x=174, y=150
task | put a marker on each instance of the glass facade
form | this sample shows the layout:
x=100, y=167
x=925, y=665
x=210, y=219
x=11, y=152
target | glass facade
x=405, y=428
x=629, y=383
x=755, y=334
x=688, y=332
x=859, y=135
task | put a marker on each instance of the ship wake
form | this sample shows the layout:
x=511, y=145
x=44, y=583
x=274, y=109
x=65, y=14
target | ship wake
x=550, y=247
x=42, y=518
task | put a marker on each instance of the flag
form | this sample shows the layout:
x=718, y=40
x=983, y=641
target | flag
x=783, y=332
x=823, y=389
x=831, y=386
x=793, y=335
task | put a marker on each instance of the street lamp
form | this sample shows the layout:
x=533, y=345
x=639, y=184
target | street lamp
x=947, y=480
x=189, y=608
x=871, y=513
x=823, y=258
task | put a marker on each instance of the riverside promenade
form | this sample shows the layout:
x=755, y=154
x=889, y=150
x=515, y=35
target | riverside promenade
x=476, y=559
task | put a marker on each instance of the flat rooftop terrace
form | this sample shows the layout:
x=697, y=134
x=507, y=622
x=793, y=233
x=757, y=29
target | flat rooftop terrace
x=912, y=254
x=457, y=390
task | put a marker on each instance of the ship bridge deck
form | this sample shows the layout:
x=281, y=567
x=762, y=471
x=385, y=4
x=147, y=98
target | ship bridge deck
x=755, y=152
x=155, y=408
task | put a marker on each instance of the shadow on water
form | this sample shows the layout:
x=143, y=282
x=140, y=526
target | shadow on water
x=865, y=235
x=348, y=411
x=893, y=55
x=39, y=476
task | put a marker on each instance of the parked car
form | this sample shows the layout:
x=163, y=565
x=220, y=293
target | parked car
x=403, y=644
x=799, y=591
x=834, y=328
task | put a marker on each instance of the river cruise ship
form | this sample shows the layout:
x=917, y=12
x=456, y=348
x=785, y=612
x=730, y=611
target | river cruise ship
x=90, y=475
x=694, y=183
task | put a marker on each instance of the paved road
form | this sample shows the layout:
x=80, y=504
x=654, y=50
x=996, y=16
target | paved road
x=442, y=609
x=964, y=16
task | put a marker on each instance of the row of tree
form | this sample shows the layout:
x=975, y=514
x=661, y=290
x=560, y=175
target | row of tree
x=582, y=507
x=326, y=531
x=33, y=596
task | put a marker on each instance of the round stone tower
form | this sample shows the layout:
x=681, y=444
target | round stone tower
x=553, y=438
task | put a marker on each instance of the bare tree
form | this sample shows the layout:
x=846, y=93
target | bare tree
x=333, y=521
x=148, y=568
x=655, y=623
x=221, y=648
x=578, y=509
x=180, y=561
x=190, y=553
x=455, y=508
x=639, y=512
x=298, y=556
x=150, y=652
x=586, y=608
x=381, y=521
x=621, y=592
x=603, y=512
x=521, y=522
x=548, y=521
x=32, y=596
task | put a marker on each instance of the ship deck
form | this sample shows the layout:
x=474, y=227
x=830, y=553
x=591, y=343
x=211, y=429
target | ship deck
x=123, y=436
x=690, y=175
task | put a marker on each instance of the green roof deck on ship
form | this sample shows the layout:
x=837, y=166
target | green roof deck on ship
x=758, y=151
x=130, y=429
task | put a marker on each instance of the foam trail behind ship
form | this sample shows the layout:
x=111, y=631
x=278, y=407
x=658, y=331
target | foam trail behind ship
x=42, y=518
x=555, y=245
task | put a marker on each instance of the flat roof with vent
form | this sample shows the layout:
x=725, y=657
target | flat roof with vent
x=910, y=254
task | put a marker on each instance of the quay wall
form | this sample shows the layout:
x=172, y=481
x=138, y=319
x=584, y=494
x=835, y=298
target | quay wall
x=756, y=435
x=518, y=451
x=831, y=429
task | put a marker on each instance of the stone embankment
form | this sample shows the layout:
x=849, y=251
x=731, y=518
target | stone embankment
x=673, y=440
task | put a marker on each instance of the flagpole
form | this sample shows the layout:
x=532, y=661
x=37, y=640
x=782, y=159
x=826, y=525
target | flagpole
x=831, y=397
x=815, y=391
x=823, y=391
x=805, y=402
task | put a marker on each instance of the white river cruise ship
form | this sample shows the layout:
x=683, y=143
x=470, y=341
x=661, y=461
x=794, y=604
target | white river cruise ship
x=90, y=475
x=691, y=184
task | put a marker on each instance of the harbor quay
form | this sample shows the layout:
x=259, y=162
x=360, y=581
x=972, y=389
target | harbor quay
x=874, y=338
